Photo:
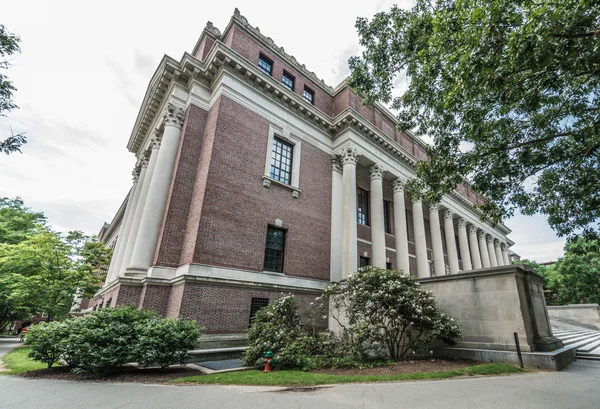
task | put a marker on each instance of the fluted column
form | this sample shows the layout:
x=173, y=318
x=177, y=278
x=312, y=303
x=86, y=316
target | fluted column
x=499, y=258
x=474, y=247
x=150, y=165
x=147, y=237
x=400, y=230
x=450, y=242
x=436, y=240
x=483, y=250
x=139, y=174
x=420, y=242
x=505, y=255
x=337, y=200
x=349, y=157
x=377, y=223
x=463, y=243
x=491, y=251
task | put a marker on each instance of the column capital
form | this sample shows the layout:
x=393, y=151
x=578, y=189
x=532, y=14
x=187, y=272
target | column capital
x=448, y=214
x=417, y=200
x=376, y=171
x=481, y=234
x=336, y=164
x=349, y=155
x=173, y=116
x=433, y=207
x=135, y=173
x=504, y=246
x=489, y=238
x=472, y=229
x=398, y=185
x=496, y=242
x=462, y=223
x=156, y=139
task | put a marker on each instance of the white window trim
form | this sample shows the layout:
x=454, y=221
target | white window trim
x=287, y=136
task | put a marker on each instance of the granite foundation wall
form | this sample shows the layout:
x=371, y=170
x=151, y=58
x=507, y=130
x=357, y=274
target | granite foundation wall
x=492, y=304
x=584, y=315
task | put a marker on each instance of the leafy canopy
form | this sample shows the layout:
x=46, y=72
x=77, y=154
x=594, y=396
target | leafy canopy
x=9, y=45
x=509, y=91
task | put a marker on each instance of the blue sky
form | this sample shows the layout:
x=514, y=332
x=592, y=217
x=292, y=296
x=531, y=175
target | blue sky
x=83, y=71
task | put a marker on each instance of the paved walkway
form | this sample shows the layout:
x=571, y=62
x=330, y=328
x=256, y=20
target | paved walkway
x=7, y=344
x=574, y=388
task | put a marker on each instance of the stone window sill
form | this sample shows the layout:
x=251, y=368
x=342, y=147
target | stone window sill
x=267, y=182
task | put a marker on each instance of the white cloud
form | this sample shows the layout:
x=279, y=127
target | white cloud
x=84, y=69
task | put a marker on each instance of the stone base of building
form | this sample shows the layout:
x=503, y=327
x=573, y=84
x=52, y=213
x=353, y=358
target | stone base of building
x=583, y=315
x=220, y=304
x=492, y=304
x=556, y=360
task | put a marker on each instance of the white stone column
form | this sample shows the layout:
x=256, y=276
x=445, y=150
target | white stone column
x=491, y=251
x=139, y=174
x=147, y=237
x=505, y=255
x=377, y=219
x=420, y=242
x=349, y=157
x=474, y=247
x=450, y=241
x=499, y=258
x=400, y=230
x=139, y=207
x=436, y=241
x=337, y=200
x=483, y=250
x=463, y=243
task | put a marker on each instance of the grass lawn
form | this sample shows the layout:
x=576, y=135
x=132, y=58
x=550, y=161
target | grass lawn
x=299, y=378
x=16, y=362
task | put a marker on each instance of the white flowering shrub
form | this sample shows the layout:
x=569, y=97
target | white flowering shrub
x=294, y=340
x=385, y=311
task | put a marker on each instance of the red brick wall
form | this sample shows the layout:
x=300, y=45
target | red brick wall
x=175, y=299
x=223, y=309
x=126, y=295
x=171, y=236
x=237, y=209
x=155, y=297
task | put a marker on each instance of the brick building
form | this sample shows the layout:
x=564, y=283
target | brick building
x=254, y=178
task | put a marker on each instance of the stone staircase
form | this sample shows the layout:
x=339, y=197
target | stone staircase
x=586, y=340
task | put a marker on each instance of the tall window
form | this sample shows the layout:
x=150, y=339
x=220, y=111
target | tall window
x=256, y=305
x=274, y=249
x=386, y=217
x=309, y=95
x=265, y=64
x=363, y=207
x=281, y=161
x=288, y=80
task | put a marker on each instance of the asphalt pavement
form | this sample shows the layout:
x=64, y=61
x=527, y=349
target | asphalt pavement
x=6, y=345
x=574, y=388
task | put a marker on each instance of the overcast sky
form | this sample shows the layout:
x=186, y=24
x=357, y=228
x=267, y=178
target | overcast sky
x=85, y=66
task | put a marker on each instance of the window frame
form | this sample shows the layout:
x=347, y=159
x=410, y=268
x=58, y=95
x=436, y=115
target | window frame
x=285, y=135
x=362, y=212
x=282, y=260
x=286, y=74
x=253, y=310
x=265, y=59
x=387, y=225
x=286, y=152
x=311, y=93
x=366, y=259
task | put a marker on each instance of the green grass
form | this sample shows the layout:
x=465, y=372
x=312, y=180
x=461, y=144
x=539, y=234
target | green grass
x=299, y=378
x=16, y=362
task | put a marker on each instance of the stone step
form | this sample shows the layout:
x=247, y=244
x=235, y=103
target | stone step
x=568, y=333
x=588, y=358
x=576, y=340
x=576, y=335
x=590, y=347
x=586, y=341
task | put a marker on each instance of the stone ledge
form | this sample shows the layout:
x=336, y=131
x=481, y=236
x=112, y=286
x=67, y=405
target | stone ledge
x=556, y=360
x=482, y=273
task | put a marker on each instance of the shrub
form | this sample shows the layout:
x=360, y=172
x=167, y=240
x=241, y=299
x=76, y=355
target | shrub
x=386, y=312
x=112, y=337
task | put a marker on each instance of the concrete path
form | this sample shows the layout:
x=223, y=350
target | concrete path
x=574, y=388
x=8, y=344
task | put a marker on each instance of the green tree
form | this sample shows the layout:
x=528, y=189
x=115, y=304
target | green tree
x=575, y=278
x=9, y=45
x=508, y=90
x=46, y=271
x=18, y=222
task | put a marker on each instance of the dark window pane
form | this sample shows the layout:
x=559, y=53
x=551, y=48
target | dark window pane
x=386, y=217
x=256, y=305
x=388, y=265
x=274, y=249
x=309, y=95
x=288, y=80
x=265, y=64
x=364, y=261
x=281, y=161
x=363, y=207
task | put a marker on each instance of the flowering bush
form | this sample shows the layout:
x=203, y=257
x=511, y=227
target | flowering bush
x=295, y=341
x=387, y=311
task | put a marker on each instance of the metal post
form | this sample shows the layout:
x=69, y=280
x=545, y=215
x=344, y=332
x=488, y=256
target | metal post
x=518, y=349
